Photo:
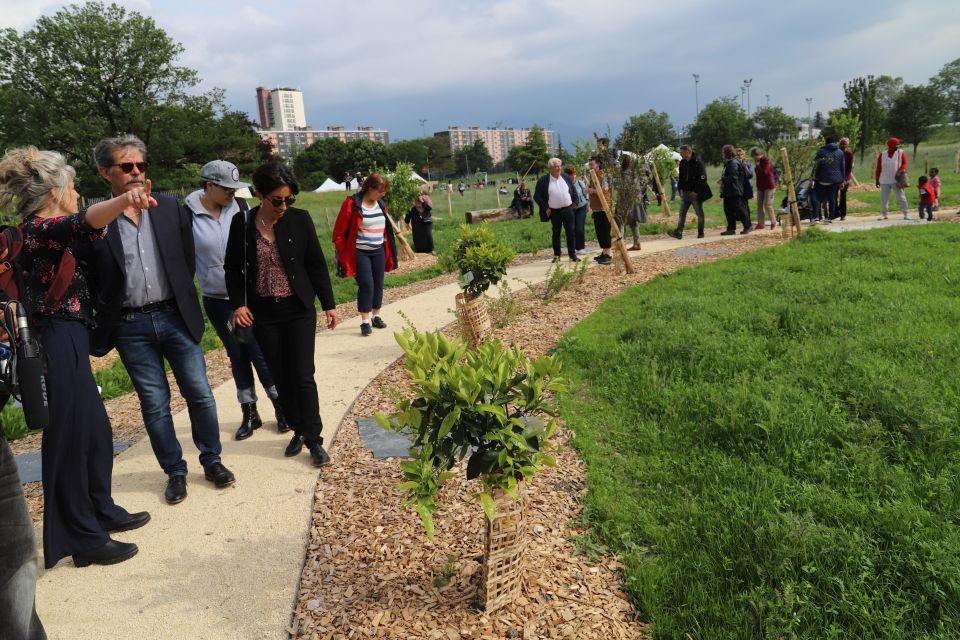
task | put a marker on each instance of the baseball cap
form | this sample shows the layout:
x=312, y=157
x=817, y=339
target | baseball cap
x=222, y=173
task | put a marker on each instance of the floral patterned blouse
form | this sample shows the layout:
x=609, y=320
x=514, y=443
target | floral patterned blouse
x=44, y=242
x=272, y=281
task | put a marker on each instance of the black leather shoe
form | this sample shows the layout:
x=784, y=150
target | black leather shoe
x=675, y=234
x=110, y=553
x=319, y=455
x=282, y=426
x=251, y=421
x=365, y=329
x=135, y=521
x=176, y=490
x=295, y=446
x=378, y=323
x=219, y=475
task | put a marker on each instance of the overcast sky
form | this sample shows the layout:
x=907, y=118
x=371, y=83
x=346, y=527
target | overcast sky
x=578, y=66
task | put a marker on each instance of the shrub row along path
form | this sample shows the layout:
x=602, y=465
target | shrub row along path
x=226, y=563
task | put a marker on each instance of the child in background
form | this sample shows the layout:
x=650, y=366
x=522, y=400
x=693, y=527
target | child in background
x=935, y=185
x=927, y=198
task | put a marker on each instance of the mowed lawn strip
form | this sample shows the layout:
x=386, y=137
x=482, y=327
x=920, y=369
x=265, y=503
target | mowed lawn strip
x=772, y=441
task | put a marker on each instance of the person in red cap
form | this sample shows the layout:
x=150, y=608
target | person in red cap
x=891, y=175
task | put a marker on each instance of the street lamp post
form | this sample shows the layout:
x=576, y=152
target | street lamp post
x=767, y=95
x=809, y=119
x=423, y=131
x=743, y=96
x=696, y=91
x=747, y=83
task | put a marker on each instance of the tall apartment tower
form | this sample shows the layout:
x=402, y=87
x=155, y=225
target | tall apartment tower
x=281, y=109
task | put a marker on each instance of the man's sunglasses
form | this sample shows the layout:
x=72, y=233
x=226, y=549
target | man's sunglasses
x=127, y=167
x=278, y=201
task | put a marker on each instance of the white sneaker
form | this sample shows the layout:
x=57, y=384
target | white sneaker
x=907, y=218
x=581, y=252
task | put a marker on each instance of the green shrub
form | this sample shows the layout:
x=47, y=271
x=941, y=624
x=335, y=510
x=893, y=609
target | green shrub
x=481, y=258
x=491, y=405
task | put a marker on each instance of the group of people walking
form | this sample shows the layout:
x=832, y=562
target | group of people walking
x=120, y=274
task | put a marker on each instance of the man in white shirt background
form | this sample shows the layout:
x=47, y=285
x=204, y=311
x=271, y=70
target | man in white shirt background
x=557, y=198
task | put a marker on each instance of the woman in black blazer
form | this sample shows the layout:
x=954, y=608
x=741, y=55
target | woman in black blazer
x=275, y=268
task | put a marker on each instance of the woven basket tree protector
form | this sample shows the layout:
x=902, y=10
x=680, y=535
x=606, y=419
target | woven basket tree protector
x=474, y=319
x=503, y=552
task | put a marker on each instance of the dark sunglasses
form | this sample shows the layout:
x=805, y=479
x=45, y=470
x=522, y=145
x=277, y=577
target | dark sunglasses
x=127, y=167
x=277, y=201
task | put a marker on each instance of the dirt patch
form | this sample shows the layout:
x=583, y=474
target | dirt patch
x=370, y=572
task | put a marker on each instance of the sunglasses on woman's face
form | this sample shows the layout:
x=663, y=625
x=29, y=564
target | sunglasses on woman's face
x=127, y=167
x=277, y=201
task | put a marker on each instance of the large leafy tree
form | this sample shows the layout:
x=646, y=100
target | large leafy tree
x=947, y=82
x=530, y=156
x=425, y=154
x=913, y=112
x=364, y=155
x=861, y=96
x=96, y=70
x=327, y=156
x=771, y=124
x=645, y=131
x=473, y=157
x=843, y=124
x=721, y=122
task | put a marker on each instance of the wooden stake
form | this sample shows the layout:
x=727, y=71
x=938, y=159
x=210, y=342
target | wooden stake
x=792, y=196
x=499, y=206
x=474, y=197
x=326, y=218
x=614, y=227
x=663, y=195
x=403, y=248
x=956, y=168
x=450, y=200
x=926, y=163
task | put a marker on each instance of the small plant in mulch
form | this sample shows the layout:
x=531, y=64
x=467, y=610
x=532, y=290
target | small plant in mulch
x=482, y=261
x=505, y=308
x=560, y=278
x=493, y=407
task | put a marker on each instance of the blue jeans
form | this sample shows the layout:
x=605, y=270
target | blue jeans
x=686, y=201
x=144, y=340
x=370, y=271
x=580, y=227
x=244, y=358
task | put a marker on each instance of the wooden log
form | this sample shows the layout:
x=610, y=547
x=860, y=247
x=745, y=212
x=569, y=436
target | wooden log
x=792, y=197
x=614, y=227
x=491, y=215
x=663, y=195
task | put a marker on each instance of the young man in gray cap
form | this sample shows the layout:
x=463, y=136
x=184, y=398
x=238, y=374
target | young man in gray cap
x=214, y=206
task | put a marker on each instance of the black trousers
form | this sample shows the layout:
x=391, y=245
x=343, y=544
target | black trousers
x=77, y=449
x=842, y=206
x=734, y=208
x=19, y=561
x=563, y=219
x=601, y=224
x=286, y=332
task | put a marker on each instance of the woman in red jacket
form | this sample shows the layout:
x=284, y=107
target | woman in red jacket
x=366, y=247
x=766, y=186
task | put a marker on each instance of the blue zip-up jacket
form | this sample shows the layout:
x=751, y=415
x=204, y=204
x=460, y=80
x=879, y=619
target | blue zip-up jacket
x=828, y=164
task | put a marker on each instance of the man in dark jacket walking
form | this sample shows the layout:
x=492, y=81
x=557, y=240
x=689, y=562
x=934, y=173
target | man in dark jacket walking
x=694, y=189
x=557, y=199
x=829, y=174
x=731, y=190
x=147, y=308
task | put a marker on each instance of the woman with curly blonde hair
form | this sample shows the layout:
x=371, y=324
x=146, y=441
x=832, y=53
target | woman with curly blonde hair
x=77, y=450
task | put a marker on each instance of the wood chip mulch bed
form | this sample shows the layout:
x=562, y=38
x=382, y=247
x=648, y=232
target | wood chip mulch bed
x=370, y=572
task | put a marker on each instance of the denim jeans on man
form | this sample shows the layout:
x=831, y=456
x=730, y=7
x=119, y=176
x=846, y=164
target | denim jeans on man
x=824, y=193
x=144, y=340
x=244, y=357
x=686, y=201
x=19, y=560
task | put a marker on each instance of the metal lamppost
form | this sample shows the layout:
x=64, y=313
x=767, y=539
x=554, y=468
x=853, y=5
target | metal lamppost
x=809, y=119
x=747, y=83
x=743, y=96
x=767, y=95
x=423, y=131
x=696, y=91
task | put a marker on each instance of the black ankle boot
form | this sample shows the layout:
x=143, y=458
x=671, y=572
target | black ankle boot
x=251, y=421
x=282, y=426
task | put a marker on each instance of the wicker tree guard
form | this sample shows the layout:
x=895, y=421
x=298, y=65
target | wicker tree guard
x=502, y=579
x=473, y=317
x=403, y=247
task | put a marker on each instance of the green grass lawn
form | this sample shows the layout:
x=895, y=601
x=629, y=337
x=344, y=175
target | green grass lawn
x=772, y=441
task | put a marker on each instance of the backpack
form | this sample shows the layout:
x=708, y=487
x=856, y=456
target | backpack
x=11, y=272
